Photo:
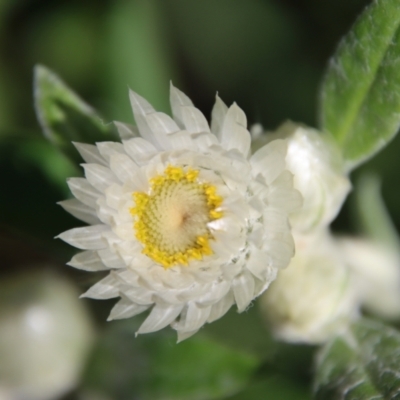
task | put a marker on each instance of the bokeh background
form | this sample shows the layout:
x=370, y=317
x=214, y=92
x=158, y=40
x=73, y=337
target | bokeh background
x=267, y=55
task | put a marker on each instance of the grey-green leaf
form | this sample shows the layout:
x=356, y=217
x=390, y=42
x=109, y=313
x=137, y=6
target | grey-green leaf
x=373, y=218
x=360, y=99
x=64, y=117
x=364, y=364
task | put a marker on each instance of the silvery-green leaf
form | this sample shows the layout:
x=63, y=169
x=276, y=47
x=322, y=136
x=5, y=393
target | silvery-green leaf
x=363, y=364
x=360, y=102
x=373, y=217
x=64, y=117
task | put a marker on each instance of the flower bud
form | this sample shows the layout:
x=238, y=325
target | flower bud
x=45, y=336
x=318, y=174
x=313, y=298
x=376, y=272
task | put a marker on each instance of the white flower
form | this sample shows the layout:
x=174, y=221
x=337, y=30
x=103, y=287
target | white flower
x=376, y=271
x=318, y=171
x=186, y=219
x=314, y=298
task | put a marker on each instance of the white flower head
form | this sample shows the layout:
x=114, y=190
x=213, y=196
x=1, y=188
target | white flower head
x=314, y=298
x=318, y=171
x=376, y=271
x=186, y=219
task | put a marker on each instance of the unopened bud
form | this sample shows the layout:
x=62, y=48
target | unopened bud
x=313, y=298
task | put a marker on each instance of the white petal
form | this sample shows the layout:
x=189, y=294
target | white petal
x=128, y=278
x=160, y=316
x=275, y=220
x=184, y=335
x=181, y=141
x=111, y=239
x=123, y=167
x=238, y=114
x=204, y=141
x=125, y=231
x=107, y=149
x=218, y=114
x=139, y=104
x=270, y=160
x=87, y=261
x=243, y=290
x=194, y=318
x=86, y=238
x=80, y=211
x=257, y=264
x=194, y=120
x=126, y=131
x=175, y=278
x=216, y=292
x=105, y=213
x=99, y=177
x=282, y=194
x=141, y=107
x=89, y=153
x=230, y=270
x=178, y=100
x=83, y=191
x=280, y=249
x=221, y=308
x=126, y=309
x=140, y=149
x=234, y=134
x=107, y=288
x=115, y=196
x=161, y=123
x=139, y=295
x=111, y=259
x=169, y=297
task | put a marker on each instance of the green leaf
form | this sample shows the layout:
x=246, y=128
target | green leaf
x=198, y=368
x=373, y=217
x=364, y=364
x=274, y=387
x=360, y=103
x=139, y=55
x=154, y=367
x=64, y=117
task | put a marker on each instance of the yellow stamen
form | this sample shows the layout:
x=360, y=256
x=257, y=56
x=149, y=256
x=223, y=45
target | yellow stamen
x=171, y=220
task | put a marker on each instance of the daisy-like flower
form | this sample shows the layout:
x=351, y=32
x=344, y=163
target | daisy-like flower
x=186, y=219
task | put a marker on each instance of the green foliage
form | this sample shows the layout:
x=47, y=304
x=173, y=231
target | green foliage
x=139, y=56
x=275, y=387
x=363, y=364
x=361, y=91
x=64, y=117
x=155, y=367
x=373, y=218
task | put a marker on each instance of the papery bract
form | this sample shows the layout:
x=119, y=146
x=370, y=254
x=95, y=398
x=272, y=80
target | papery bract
x=314, y=298
x=318, y=172
x=186, y=219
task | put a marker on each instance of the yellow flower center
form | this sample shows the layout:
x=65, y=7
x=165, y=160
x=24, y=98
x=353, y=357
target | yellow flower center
x=171, y=220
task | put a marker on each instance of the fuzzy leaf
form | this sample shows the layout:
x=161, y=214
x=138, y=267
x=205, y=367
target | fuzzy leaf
x=373, y=217
x=64, y=117
x=364, y=364
x=361, y=91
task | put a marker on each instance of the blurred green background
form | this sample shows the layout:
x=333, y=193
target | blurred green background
x=267, y=55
